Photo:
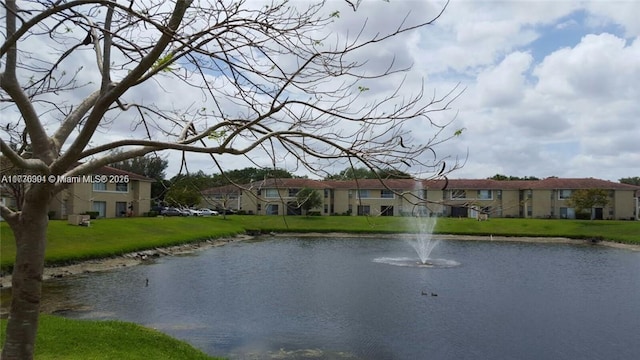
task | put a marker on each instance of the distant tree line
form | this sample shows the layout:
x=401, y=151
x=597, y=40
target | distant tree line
x=635, y=180
x=501, y=177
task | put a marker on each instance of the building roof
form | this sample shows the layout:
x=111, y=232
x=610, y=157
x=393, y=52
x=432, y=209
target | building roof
x=440, y=184
x=108, y=170
x=581, y=183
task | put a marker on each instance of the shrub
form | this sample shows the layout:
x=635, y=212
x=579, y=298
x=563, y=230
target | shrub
x=92, y=214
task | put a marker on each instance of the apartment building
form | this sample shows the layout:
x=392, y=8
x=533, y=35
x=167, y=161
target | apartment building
x=108, y=191
x=547, y=198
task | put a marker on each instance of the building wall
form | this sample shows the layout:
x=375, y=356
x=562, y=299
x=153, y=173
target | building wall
x=506, y=202
x=81, y=197
x=624, y=204
x=510, y=204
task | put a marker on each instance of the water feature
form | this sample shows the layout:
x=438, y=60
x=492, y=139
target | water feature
x=423, y=242
x=325, y=297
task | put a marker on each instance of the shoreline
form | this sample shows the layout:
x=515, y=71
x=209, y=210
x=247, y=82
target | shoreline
x=139, y=257
x=126, y=260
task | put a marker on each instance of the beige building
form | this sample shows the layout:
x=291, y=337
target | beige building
x=473, y=198
x=108, y=191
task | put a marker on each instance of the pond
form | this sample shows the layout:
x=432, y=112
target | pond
x=328, y=298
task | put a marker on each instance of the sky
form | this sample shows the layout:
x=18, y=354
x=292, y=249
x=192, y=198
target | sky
x=551, y=88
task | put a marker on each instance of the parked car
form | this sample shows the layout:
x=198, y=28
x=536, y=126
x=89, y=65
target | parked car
x=207, y=212
x=171, y=212
x=225, y=211
x=194, y=212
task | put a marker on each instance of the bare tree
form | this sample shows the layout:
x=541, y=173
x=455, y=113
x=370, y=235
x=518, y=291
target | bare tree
x=270, y=81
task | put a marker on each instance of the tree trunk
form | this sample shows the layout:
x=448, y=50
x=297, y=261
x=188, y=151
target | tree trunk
x=30, y=232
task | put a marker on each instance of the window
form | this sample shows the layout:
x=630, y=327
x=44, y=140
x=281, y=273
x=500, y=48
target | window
x=364, y=210
x=271, y=193
x=458, y=194
x=386, y=211
x=363, y=194
x=272, y=209
x=121, y=208
x=293, y=192
x=485, y=194
x=100, y=207
x=327, y=192
x=387, y=194
x=567, y=213
x=122, y=187
x=564, y=194
x=99, y=186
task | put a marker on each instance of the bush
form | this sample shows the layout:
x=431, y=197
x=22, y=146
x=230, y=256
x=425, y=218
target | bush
x=152, y=213
x=313, y=213
x=92, y=214
x=583, y=216
x=51, y=215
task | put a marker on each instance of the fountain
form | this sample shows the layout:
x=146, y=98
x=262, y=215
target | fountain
x=423, y=242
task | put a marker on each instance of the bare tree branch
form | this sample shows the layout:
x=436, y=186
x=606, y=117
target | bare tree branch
x=268, y=83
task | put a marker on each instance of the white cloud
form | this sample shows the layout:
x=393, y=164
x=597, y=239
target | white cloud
x=598, y=67
x=504, y=84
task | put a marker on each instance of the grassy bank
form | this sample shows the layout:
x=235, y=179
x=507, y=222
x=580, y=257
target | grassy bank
x=60, y=338
x=110, y=237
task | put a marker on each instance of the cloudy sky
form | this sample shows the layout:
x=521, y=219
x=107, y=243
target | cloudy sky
x=552, y=88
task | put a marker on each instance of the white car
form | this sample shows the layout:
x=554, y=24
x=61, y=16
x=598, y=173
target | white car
x=207, y=212
x=194, y=212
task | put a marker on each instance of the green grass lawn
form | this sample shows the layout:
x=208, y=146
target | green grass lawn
x=110, y=237
x=59, y=338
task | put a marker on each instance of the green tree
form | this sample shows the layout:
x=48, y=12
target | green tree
x=181, y=195
x=272, y=82
x=151, y=166
x=308, y=199
x=635, y=180
x=583, y=200
x=501, y=177
x=249, y=174
x=351, y=173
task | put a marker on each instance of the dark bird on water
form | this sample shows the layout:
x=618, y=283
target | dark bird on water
x=146, y=282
